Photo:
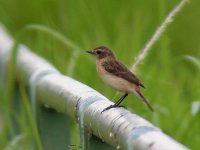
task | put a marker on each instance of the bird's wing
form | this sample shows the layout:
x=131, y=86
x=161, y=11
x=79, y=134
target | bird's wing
x=116, y=68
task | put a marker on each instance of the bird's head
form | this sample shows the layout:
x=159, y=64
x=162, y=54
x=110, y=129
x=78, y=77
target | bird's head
x=101, y=52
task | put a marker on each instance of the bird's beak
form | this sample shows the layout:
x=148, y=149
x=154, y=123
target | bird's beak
x=90, y=52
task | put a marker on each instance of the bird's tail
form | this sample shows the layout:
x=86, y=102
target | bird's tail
x=141, y=96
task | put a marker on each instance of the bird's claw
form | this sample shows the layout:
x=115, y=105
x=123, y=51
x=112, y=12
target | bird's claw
x=112, y=106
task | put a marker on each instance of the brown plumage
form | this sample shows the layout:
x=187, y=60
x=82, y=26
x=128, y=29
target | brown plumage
x=116, y=68
x=117, y=75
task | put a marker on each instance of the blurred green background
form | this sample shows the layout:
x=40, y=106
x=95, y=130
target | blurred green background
x=172, y=80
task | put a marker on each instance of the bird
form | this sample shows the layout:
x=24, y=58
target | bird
x=117, y=75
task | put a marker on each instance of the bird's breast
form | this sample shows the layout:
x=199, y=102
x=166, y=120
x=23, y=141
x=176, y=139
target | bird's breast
x=115, y=82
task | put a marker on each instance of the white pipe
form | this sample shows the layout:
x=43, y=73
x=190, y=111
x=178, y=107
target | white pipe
x=117, y=127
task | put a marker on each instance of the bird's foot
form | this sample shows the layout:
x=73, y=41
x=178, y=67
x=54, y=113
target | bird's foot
x=112, y=106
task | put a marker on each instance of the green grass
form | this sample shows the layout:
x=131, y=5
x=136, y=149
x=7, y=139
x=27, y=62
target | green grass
x=171, y=78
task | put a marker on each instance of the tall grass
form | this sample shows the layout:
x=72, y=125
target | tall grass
x=172, y=83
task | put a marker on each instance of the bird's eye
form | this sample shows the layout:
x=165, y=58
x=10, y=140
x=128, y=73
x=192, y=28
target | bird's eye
x=98, y=52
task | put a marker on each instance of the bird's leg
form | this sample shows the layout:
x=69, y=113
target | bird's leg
x=117, y=103
x=120, y=100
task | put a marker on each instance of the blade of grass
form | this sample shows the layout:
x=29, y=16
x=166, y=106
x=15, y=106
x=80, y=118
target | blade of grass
x=14, y=143
x=157, y=34
x=30, y=115
x=65, y=40
x=193, y=60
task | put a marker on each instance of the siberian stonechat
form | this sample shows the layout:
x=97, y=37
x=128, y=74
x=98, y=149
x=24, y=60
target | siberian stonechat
x=117, y=75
